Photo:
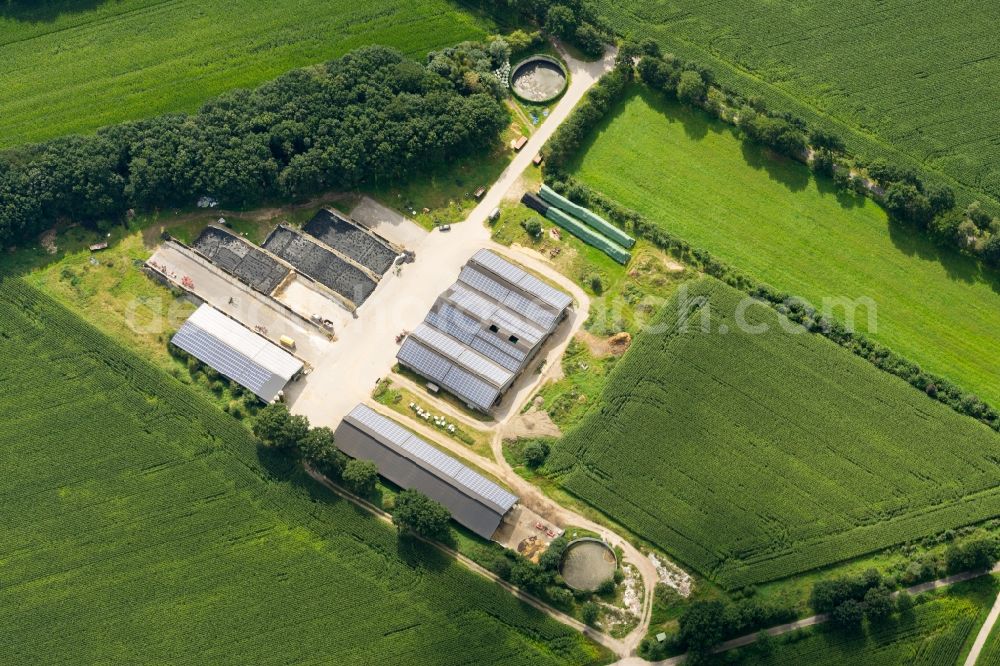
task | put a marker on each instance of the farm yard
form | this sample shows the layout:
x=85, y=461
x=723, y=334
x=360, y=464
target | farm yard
x=162, y=533
x=77, y=68
x=912, y=82
x=767, y=216
x=731, y=450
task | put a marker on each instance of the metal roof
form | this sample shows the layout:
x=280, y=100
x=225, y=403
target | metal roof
x=237, y=352
x=484, y=329
x=433, y=365
x=411, y=462
x=523, y=280
x=491, y=313
x=462, y=355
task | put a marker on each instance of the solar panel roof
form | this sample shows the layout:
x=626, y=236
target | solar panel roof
x=462, y=355
x=456, y=474
x=256, y=365
x=523, y=280
x=480, y=332
x=438, y=368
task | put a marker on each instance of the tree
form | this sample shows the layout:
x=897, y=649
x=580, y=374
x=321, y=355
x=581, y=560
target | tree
x=533, y=227
x=944, y=228
x=519, y=40
x=560, y=21
x=878, y=604
x=499, y=51
x=906, y=202
x=318, y=449
x=418, y=513
x=904, y=602
x=589, y=40
x=535, y=454
x=973, y=555
x=701, y=625
x=822, y=162
x=590, y=613
x=691, y=87
x=360, y=476
x=628, y=53
x=942, y=198
x=978, y=216
x=654, y=72
x=315, y=443
x=820, y=138
x=650, y=47
x=552, y=557
x=848, y=614
x=276, y=427
x=991, y=251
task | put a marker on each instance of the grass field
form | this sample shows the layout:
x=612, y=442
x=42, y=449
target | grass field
x=75, y=66
x=768, y=217
x=909, y=81
x=141, y=524
x=733, y=451
x=938, y=631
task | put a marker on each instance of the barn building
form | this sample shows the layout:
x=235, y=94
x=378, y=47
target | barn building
x=237, y=353
x=482, y=332
x=408, y=461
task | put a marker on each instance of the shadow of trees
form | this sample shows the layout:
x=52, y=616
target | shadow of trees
x=44, y=11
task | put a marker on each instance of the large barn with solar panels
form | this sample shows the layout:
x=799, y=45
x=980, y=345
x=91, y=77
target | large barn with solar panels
x=408, y=461
x=237, y=353
x=484, y=329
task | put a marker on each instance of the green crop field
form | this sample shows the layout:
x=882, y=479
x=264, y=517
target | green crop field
x=933, y=634
x=141, y=525
x=990, y=654
x=75, y=66
x=770, y=218
x=752, y=455
x=909, y=81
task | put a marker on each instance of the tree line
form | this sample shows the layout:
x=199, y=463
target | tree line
x=901, y=191
x=368, y=117
x=847, y=601
x=412, y=511
x=573, y=21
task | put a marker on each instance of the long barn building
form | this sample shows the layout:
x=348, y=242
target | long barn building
x=482, y=332
x=408, y=461
x=237, y=353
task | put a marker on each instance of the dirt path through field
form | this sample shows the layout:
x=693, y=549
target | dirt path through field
x=821, y=618
x=984, y=632
x=605, y=640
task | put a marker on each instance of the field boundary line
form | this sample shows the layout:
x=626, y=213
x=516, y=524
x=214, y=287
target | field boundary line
x=612, y=644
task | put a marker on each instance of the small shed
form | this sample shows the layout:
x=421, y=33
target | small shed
x=518, y=144
x=97, y=247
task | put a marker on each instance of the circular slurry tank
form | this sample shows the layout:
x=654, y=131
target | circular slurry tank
x=538, y=79
x=587, y=563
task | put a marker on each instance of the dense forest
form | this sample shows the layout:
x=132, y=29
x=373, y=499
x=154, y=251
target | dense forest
x=368, y=117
